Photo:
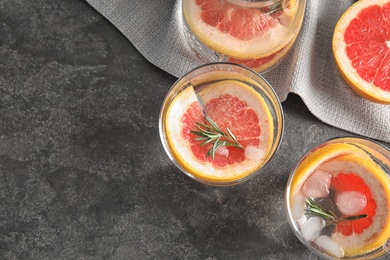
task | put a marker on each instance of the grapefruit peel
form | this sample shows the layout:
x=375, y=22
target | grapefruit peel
x=366, y=89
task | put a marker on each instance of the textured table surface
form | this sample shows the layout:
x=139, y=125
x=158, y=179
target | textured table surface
x=83, y=174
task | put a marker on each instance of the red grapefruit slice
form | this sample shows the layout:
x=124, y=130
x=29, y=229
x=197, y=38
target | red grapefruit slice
x=240, y=32
x=353, y=170
x=361, y=174
x=361, y=47
x=239, y=22
x=230, y=104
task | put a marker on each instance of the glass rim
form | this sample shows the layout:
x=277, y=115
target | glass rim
x=254, y=3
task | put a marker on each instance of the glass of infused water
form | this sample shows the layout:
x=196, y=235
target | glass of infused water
x=338, y=199
x=221, y=123
x=254, y=33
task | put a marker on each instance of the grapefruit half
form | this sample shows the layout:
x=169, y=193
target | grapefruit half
x=361, y=47
x=230, y=104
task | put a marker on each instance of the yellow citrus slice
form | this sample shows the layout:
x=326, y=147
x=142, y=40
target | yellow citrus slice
x=353, y=172
x=361, y=47
x=230, y=104
x=240, y=32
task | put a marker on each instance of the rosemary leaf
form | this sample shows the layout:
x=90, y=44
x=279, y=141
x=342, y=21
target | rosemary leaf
x=214, y=126
x=233, y=138
x=314, y=209
x=350, y=218
x=212, y=134
x=197, y=133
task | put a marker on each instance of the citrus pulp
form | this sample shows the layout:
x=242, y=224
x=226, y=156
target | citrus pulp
x=361, y=47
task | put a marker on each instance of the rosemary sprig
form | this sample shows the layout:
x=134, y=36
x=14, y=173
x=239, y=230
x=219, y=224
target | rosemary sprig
x=315, y=209
x=214, y=135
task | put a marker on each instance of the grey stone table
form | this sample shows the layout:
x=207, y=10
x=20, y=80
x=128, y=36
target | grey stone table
x=83, y=174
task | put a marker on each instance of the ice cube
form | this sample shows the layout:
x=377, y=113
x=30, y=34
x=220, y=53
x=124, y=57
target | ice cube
x=317, y=185
x=297, y=206
x=254, y=153
x=311, y=229
x=223, y=151
x=350, y=202
x=330, y=246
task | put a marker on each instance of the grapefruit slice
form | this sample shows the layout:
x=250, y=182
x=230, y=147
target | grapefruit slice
x=230, y=104
x=361, y=47
x=353, y=171
x=361, y=174
x=236, y=31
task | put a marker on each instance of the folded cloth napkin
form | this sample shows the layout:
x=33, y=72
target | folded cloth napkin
x=309, y=70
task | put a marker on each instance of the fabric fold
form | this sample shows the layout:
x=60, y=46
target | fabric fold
x=154, y=27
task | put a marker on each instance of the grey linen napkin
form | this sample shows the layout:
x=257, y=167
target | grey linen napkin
x=309, y=70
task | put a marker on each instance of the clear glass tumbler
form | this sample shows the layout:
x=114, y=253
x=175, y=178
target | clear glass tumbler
x=338, y=199
x=253, y=33
x=221, y=123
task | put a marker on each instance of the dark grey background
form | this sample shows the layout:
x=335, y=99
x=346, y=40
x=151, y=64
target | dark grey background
x=83, y=174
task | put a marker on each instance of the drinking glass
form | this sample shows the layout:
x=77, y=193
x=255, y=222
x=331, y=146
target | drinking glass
x=253, y=33
x=338, y=199
x=240, y=92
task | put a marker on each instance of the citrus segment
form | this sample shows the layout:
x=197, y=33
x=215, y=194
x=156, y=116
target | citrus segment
x=239, y=22
x=344, y=182
x=230, y=104
x=361, y=46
